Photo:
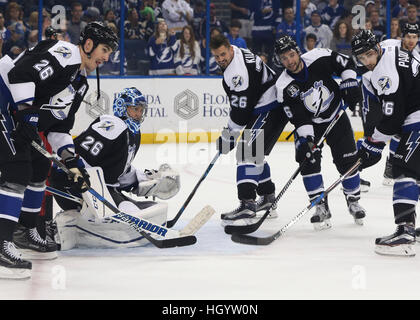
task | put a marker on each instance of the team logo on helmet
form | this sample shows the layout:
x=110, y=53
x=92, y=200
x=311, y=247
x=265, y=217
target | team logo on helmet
x=385, y=83
x=318, y=98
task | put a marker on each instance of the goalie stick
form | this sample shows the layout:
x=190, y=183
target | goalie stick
x=137, y=224
x=172, y=222
x=264, y=241
x=243, y=229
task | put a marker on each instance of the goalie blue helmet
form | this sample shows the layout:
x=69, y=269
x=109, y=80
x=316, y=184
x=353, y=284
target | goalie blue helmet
x=130, y=97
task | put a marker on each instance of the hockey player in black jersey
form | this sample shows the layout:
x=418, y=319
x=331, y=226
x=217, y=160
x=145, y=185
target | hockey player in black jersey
x=371, y=108
x=249, y=84
x=395, y=81
x=311, y=98
x=111, y=143
x=40, y=90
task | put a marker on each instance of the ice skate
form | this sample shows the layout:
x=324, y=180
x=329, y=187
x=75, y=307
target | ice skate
x=265, y=202
x=356, y=210
x=32, y=246
x=401, y=243
x=12, y=266
x=321, y=217
x=364, y=185
x=388, y=177
x=242, y=215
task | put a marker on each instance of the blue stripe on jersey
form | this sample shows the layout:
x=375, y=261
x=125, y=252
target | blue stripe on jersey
x=248, y=173
x=266, y=108
x=411, y=127
x=393, y=145
x=10, y=205
x=406, y=191
x=32, y=200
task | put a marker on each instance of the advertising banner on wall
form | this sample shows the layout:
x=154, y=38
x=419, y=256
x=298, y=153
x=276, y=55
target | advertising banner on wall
x=179, y=109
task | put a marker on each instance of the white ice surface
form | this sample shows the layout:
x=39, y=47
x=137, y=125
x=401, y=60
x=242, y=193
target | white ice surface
x=338, y=263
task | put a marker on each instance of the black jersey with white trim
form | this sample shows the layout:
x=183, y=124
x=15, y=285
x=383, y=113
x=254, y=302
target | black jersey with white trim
x=249, y=84
x=313, y=95
x=109, y=144
x=396, y=81
x=48, y=79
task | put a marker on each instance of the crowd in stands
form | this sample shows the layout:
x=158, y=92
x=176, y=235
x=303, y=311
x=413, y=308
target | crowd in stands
x=168, y=37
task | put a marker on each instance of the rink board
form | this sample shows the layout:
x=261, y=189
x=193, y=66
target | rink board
x=179, y=109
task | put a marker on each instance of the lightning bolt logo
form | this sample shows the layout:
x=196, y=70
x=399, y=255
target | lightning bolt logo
x=412, y=143
x=256, y=128
x=6, y=134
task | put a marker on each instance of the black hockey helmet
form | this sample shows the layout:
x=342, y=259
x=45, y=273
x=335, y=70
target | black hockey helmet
x=99, y=33
x=410, y=28
x=282, y=45
x=51, y=32
x=363, y=41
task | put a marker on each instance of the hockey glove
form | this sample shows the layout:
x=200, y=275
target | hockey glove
x=26, y=129
x=227, y=140
x=306, y=149
x=80, y=180
x=370, y=152
x=351, y=93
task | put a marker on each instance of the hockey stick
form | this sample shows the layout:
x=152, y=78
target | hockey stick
x=172, y=222
x=263, y=241
x=196, y=223
x=171, y=237
x=243, y=229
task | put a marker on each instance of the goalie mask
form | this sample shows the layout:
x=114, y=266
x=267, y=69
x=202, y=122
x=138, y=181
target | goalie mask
x=130, y=97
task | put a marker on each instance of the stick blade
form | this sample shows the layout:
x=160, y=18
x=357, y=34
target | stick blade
x=198, y=221
x=255, y=241
x=172, y=242
x=250, y=228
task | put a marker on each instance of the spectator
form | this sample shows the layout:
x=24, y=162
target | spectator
x=240, y=11
x=342, y=35
x=332, y=13
x=147, y=22
x=233, y=36
x=265, y=14
x=199, y=15
x=288, y=26
x=411, y=16
x=322, y=31
x=310, y=42
x=16, y=44
x=177, y=14
x=187, y=58
x=370, y=5
x=378, y=28
x=13, y=13
x=76, y=25
x=112, y=66
x=400, y=10
x=214, y=68
x=110, y=17
x=92, y=14
x=132, y=27
x=4, y=32
x=214, y=23
x=161, y=48
x=306, y=9
x=395, y=29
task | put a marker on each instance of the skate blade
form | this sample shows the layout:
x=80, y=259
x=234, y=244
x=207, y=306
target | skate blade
x=403, y=250
x=239, y=222
x=364, y=188
x=388, y=182
x=28, y=254
x=326, y=224
x=15, y=274
x=359, y=222
x=272, y=215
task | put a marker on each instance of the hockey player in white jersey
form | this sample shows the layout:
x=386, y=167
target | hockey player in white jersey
x=371, y=108
x=311, y=98
x=395, y=81
x=107, y=148
x=41, y=90
x=249, y=84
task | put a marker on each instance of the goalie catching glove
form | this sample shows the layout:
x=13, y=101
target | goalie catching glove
x=163, y=183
